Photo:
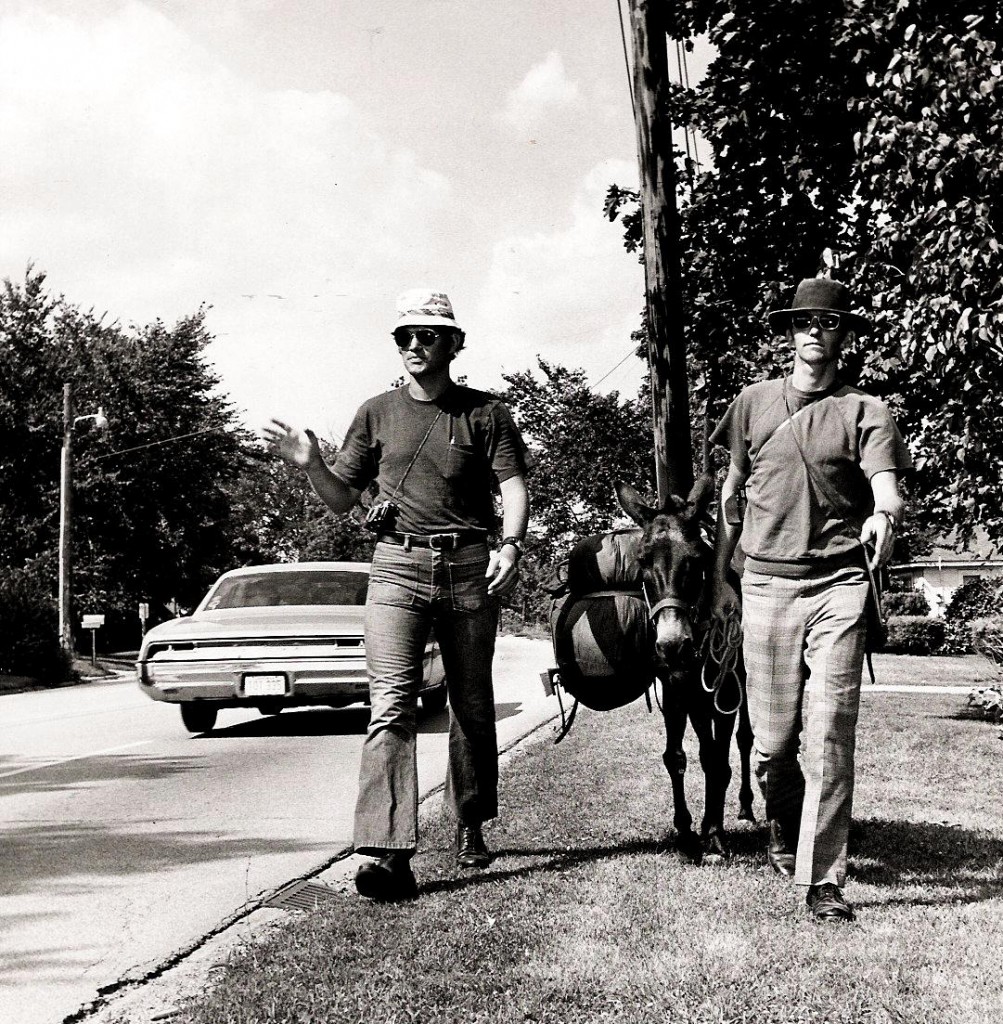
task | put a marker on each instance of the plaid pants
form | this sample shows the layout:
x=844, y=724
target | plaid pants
x=804, y=653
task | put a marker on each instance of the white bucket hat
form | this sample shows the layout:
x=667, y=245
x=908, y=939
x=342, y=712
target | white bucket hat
x=422, y=307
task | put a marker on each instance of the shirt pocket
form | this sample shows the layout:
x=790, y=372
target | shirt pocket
x=461, y=461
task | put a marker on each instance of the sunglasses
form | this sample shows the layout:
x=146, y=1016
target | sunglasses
x=827, y=321
x=425, y=336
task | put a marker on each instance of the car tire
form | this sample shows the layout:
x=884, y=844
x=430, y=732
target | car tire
x=270, y=709
x=198, y=717
x=434, y=701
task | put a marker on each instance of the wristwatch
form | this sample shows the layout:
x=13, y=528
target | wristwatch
x=515, y=542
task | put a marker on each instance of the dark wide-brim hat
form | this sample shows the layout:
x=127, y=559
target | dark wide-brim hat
x=819, y=295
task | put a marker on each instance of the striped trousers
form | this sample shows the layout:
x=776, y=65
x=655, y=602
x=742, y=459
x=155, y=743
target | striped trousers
x=804, y=652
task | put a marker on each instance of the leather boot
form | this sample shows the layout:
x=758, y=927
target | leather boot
x=781, y=852
x=389, y=879
x=470, y=849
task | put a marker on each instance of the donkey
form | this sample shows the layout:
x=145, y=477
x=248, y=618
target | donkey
x=675, y=564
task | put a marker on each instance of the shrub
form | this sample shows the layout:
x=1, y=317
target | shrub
x=977, y=599
x=957, y=638
x=987, y=638
x=29, y=641
x=914, y=634
x=905, y=602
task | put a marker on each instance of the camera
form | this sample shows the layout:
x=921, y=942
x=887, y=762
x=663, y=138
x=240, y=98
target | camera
x=382, y=517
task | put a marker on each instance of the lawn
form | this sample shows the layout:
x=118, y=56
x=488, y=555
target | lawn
x=587, y=914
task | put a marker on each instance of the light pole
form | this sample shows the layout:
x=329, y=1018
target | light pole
x=65, y=503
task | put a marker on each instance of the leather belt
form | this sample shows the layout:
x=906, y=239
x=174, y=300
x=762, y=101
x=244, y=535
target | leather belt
x=436, y=541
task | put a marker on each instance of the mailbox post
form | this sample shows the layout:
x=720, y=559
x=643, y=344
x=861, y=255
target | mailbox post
x=93, y=623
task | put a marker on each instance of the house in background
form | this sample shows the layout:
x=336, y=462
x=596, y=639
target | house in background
x=940, y=573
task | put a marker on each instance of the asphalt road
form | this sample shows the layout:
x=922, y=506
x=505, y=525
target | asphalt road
x=124, y=840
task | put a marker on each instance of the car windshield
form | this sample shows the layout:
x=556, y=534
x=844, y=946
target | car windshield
x=271, y=589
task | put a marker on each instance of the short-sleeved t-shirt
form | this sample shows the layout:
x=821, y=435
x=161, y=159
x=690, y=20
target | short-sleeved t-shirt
x=472, y=443
x=792, y=528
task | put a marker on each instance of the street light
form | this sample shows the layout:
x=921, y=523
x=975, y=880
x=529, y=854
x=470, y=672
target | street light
x=65, y=500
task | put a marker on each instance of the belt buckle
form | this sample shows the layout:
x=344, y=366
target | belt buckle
x=446, y=541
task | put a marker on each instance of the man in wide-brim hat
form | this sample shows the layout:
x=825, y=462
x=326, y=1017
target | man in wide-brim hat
x=818, y=463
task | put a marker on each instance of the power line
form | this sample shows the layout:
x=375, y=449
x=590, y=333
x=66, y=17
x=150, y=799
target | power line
x=626, y=59
x=153, y=444
x=596, y=383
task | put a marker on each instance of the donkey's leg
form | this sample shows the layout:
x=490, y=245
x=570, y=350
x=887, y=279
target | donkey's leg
x=714, y=733
x=743, y=737
x=674, y=714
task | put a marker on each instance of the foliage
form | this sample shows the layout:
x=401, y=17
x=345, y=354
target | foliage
x=976, y=599
x=29, y=640
x=583, y=442
x=907, y=602
x=278, y=517
x=150, y=513
x=914, y=634
x=863, y=140
x=987, y=638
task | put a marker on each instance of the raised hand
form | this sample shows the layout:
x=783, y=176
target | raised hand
x=299, y=448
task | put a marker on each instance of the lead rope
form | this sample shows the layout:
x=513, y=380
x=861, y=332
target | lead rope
x=721, y=647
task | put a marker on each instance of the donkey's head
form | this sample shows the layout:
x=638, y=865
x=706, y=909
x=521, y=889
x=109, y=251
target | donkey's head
x=674, y=561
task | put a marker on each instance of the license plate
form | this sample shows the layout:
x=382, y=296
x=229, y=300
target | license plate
x=265, y=685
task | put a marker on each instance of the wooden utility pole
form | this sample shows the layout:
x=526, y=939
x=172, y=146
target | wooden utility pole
x=662, y=251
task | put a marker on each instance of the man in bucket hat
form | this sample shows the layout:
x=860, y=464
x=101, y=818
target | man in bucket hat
x=818, y=463
x=437, y=450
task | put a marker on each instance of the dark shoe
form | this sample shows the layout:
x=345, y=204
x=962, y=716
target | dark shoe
x=470, y=849
x=387, y=880
x=781, y=851
x=826, y=903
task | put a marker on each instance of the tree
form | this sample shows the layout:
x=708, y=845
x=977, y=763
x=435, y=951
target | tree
x=861, y=139
x=280, y=519
x=151, y=516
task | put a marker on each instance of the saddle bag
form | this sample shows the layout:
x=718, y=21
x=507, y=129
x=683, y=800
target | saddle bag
x=602, y=636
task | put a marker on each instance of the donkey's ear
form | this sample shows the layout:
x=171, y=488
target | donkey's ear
x=631, y=503
x=700, y=496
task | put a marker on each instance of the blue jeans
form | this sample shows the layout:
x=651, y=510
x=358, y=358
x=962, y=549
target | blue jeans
x=410, y=592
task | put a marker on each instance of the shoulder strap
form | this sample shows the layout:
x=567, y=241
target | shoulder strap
x=414, y=458
x=835, y=502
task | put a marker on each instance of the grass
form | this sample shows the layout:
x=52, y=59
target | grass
x=587, y=915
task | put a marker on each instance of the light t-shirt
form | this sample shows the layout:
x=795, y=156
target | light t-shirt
x=792, y=528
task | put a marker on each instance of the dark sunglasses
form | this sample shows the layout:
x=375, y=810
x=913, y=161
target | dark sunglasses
x=425, y=336
x=827, y=321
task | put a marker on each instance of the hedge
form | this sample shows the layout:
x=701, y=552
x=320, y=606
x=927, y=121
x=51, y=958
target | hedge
x=29, y=640
x=905, y=602
x=977, y=599
x=914, y=634
x=987, y=638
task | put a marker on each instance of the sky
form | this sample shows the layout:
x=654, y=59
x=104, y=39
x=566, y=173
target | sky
x=296, y=165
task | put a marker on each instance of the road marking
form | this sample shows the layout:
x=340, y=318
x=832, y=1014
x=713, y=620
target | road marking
x=77, y=757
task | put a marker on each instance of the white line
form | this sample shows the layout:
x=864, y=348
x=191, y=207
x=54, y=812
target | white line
x=78, y=757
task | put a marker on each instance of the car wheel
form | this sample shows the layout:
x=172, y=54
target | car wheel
x=270, y=709
x=433, y=701
x=198, y=717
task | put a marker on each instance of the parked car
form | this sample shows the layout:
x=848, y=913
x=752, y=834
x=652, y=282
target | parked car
x=271, y=637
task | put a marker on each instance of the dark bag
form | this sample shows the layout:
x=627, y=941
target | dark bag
x=599, y=623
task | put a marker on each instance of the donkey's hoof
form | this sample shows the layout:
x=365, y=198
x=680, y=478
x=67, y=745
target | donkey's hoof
x=689, y=846
x=716, y=849
x=746, y=814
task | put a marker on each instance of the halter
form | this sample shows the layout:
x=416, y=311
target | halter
x=666, y=602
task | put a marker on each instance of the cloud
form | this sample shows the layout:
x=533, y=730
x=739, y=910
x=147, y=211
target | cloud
x=574, y=293
x=545, y=88
x=146, y=178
